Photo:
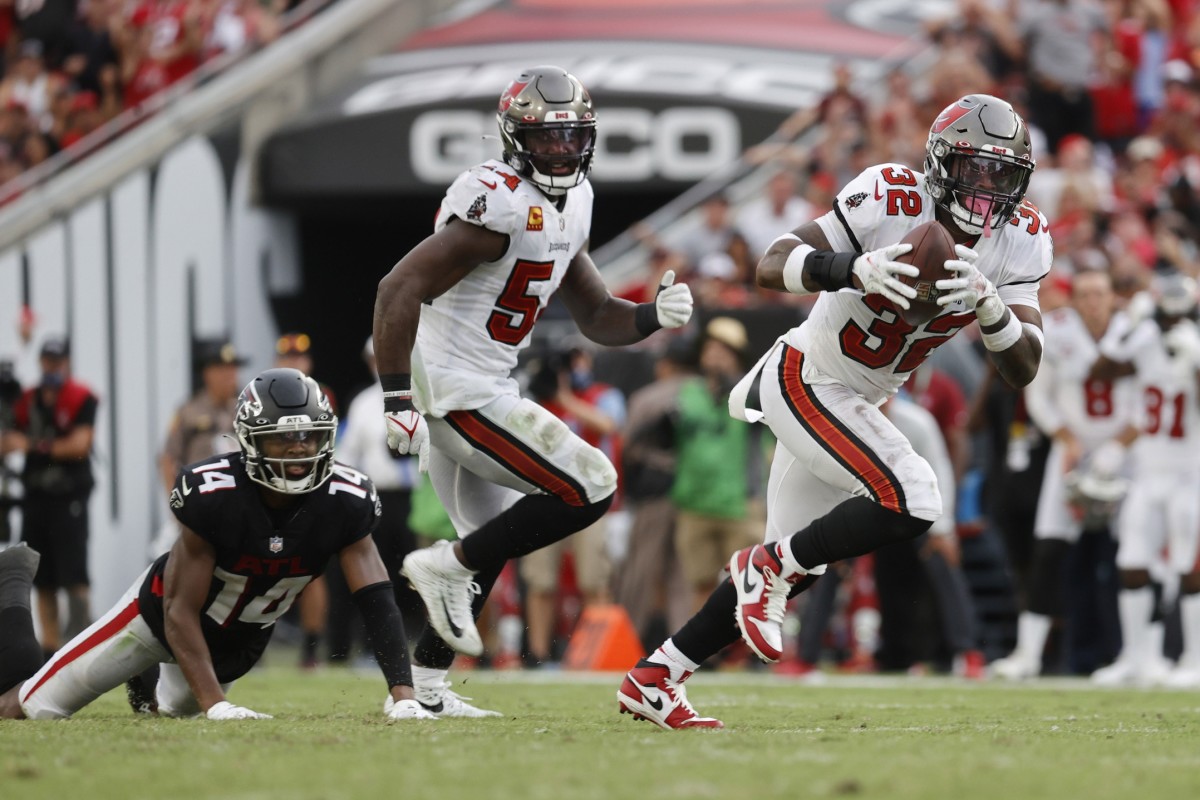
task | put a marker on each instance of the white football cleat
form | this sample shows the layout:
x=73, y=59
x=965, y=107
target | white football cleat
x=1122, y=672
x=405, y=709
x=1185, y=675
x=447, y=593
x=439, y=700
x=1015, y=667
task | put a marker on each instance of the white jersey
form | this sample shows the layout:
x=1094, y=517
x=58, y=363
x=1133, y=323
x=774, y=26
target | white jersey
x=860, y=340
x=469, y=337
x=1061, y=394
x=1168, y=414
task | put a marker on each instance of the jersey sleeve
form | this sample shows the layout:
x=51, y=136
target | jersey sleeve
x=860, y=209
x=199, y=511
x=361, y=509
x=1024, y=267
x=484, y=196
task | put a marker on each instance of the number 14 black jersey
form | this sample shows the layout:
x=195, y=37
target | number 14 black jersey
x=264, y=557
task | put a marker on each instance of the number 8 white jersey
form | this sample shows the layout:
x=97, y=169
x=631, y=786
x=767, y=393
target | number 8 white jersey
x=859, y=340
x=1061, y=394
x=469, y=337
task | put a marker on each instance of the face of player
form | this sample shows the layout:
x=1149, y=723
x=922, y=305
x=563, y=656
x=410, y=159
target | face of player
x=1093, y=298
x=556, y=151
x=291, y=453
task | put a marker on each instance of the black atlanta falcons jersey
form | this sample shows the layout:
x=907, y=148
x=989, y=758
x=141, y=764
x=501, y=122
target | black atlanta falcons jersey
x=264, y=556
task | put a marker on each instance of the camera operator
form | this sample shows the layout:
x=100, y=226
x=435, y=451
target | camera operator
x=53, y=425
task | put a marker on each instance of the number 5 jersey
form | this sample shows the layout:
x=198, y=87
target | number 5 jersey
x=469, y=337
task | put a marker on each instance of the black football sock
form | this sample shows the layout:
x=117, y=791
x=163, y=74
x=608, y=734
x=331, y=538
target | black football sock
x=529, y=524
x=18, y=565
x=433, y=653
x=1047, y=582
x=854, y=527
x=713, y=628
x=20, y=653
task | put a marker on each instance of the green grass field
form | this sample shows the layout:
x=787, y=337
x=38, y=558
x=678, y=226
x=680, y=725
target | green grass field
x=561, y=737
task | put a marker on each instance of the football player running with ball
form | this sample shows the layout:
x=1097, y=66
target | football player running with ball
x=255, y=527
x=844, y=481
x=450, y=319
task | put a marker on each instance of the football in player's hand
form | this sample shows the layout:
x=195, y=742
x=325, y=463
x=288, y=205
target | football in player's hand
x=932, y=247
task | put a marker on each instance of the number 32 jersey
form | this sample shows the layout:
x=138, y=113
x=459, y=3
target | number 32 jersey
x=469, y=337
x=263, y=558
x=860, y=340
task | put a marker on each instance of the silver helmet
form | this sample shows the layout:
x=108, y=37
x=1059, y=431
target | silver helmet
x=286, y=429
x=978, y=162
x=1175, y=296
x=548, y=128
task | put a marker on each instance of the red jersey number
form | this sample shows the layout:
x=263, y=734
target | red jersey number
x=901, y=201
x=517, y=310
x=893, y=334
x=1158, y=407
x=1097, y=398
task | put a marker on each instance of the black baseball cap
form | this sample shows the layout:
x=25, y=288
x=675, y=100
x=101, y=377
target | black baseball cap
x=55, y=347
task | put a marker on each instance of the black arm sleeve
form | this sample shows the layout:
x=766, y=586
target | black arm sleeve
x=385, y=626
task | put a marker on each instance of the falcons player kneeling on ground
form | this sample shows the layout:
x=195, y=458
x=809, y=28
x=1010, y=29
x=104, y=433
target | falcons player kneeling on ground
x=844, y=481
x=256, y=526
x=450, y=320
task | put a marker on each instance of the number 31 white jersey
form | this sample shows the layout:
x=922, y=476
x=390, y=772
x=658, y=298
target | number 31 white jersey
x=860, y=340
x=469, y=337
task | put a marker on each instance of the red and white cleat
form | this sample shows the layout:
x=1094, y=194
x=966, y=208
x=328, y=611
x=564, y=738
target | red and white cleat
x=648, y=692
x=762, y=595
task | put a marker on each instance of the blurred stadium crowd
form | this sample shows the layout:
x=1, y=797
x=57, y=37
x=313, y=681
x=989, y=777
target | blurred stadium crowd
x=70, y=66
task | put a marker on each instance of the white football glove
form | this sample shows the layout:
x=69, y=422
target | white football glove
x=1141, y=307
x=405, y=709
x=877, y=271
x=227, y=710
x=673, y=303
x=408, y=434
x=1183, y=343
x=970, y=286
x=1108, y=459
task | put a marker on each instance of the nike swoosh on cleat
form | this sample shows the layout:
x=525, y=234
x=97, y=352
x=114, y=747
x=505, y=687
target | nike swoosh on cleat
x=747, y=585
x=656, y=703
x=454, y=629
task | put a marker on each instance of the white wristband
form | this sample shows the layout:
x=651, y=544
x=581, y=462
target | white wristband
x=990, y=311
x=1004, y=338
x=793, y=269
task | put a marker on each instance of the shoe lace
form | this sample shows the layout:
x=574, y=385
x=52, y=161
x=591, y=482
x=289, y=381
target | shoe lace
x=460, y=601
x=681, y=698
x=777, y=595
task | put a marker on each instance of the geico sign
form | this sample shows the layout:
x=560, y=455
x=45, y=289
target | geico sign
x=632, y=144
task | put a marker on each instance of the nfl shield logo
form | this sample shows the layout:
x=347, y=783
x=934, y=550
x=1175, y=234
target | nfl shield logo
x=276, y=544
